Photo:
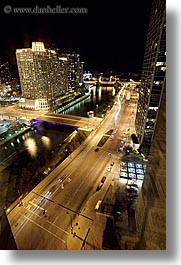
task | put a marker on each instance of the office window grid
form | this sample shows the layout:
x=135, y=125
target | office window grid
x=43, y=75
x=153, y=73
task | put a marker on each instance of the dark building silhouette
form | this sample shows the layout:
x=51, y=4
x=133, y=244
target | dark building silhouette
x=150, y=211
x=151, y=206
x=7, y=241
x=153, y=74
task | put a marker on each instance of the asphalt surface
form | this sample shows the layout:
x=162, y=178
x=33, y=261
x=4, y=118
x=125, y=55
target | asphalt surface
x=60, y=213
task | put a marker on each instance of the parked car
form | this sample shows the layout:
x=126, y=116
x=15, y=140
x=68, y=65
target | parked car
x=103, y=179
x=99, y=186
x=109, y=168
x=131, y=190
x=132, y=187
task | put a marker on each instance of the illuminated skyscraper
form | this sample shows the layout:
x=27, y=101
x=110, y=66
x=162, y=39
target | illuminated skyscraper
x=5, y=75
x=150, y=209
x=43, y=76
x=75, y=70
x=153, y=74
x=5, y=79
x=81, y=72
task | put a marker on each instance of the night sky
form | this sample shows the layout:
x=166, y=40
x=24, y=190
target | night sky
x=110, y=37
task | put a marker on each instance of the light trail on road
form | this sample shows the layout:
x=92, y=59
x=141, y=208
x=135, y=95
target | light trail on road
x=79, y=176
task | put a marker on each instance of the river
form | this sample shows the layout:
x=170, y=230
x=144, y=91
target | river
x=97, y=97
x=22, y=157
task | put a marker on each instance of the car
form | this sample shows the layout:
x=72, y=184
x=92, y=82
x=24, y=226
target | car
x=103, y=179
x=132, y=190
x=98, y=205
x=112, y=164
x=97, y=149
x=99, y=186
x=109, y=168
x=132, y=187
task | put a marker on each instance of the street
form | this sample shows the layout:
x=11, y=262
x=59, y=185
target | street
x=59, y=213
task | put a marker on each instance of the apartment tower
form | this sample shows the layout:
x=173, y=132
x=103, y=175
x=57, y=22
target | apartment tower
x=153, y=74
x=43, y=77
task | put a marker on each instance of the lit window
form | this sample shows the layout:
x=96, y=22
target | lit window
x=159, y=63
x=156, y=82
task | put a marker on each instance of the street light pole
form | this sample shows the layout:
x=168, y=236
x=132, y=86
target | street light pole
x=83, y=243
x=70, y=222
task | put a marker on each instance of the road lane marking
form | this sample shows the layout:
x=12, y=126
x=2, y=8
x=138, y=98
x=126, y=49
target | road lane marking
x=58, y=227
x=53, y=224
x=43, y=228
x=36, y=205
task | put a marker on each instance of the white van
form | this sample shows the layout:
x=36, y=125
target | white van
x=98, y=205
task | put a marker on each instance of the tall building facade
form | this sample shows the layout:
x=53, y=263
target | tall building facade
x=150, y=211
x=5, y=75
x=151, y=206
x=43, y=76
x=75, y=71
x=5, y=78
x=153, y=74
x=81, y=73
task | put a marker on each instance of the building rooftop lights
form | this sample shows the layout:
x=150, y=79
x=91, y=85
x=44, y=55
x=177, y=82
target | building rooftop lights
x=38, y=47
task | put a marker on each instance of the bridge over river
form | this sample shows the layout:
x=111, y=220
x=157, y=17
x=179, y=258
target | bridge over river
x=83, y=123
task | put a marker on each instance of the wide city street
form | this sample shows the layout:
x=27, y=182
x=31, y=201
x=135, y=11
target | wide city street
x=59, y=213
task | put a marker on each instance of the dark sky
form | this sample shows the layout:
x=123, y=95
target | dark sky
x=111, y=36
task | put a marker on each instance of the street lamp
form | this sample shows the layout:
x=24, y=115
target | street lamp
x=70, y=222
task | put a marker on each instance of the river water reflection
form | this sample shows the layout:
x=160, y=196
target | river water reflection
x=97, y=97
x=22, y=157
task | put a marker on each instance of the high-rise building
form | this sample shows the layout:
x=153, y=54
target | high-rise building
x=5, y=75
x=43, y=76
x=150, y=210
x=81, y=72
x=153, y=74
x=5, y=78
x=151, y=205
x=75, y=69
